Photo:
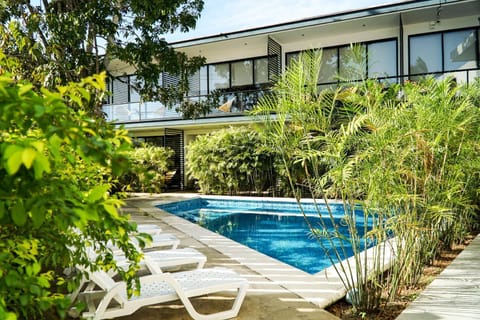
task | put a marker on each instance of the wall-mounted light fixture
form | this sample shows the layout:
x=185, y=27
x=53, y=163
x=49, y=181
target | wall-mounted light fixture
x=433, y=24
x=436, y=22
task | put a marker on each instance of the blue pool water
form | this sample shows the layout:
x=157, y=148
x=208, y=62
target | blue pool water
x=275, y=228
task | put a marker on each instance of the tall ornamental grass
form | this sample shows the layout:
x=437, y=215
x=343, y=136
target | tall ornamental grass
x=405, y=154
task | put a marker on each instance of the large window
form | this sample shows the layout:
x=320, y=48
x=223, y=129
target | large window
x=426, y=54
x=260, y=70
x=236, y=74
x=345, y=63
x=242, y=73
x=461, y=48
x=382, y=59
x=134, y=94
x=120, y=90
x=218, y=76
x=198, y=82
x=352, y=64
x=329, y=66
x=444, y=52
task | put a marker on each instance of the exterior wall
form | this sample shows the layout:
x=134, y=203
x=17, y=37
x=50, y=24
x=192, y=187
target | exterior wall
x=427, y=27
x=228, y=50
x=417, y=18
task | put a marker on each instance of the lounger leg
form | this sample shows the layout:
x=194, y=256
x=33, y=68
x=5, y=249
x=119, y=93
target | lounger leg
x=227, y=314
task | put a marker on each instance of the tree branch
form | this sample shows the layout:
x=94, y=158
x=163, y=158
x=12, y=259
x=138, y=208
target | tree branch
x=39, y=30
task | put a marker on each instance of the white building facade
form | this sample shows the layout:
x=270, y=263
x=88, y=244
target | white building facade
x=400, y=41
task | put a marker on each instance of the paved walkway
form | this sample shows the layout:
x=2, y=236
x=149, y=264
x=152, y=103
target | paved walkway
x=454, y=294
x=278, y=293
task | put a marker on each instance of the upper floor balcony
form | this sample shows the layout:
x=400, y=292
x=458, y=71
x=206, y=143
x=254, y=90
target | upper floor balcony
x=231, y=103
x=406, y=51
x=239, y=102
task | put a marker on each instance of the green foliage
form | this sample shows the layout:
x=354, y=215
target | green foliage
x=230, y=160
x=150, y=165
x=54, y=168
x=424, y=170
x=406, y=154
x=51, y=43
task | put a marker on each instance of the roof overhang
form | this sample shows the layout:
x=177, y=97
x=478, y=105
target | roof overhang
x=323, y=31
x=377, y=17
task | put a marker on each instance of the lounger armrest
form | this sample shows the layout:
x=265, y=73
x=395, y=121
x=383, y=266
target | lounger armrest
x=152, y=266
x=112, y=294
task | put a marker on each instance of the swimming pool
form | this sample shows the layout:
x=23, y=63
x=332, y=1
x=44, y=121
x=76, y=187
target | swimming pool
x=275, y=228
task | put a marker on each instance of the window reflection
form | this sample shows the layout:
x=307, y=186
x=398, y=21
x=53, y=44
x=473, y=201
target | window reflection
x=290, y=57
x=347, y=63
x=242, y=73
x=352, y=63
x=261, y=70
x=134, y=94
x=218, y=76
x=382, y=59
x=329, y=66
x=426, y=54
x=460, y=50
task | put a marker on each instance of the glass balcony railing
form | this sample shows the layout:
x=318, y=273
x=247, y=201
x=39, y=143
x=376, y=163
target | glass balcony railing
x=238, y=102
x=230, y=103
x=138, y=111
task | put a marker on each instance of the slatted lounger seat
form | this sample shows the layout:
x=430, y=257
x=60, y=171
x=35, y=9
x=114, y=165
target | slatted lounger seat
x=159, y=241
x=166, y=259
x=149, y=228
x=164, y=287
x=162, y=240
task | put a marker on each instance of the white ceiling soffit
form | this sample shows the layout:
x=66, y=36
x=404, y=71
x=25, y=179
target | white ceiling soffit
x=374, y=17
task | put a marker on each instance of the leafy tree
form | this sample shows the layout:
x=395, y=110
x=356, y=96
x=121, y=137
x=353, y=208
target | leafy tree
x=54, y=42
x=55, y=206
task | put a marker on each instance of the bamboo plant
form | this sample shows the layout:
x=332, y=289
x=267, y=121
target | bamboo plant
x=404, y=154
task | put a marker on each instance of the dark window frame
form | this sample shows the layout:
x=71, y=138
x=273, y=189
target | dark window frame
x=442, y=34
x=230, y=62
x=366, y=44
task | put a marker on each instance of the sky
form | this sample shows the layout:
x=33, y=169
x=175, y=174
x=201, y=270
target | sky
x=222, y=16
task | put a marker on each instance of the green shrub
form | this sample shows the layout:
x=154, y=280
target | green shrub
x=150, y=165
x=55, y=165
x=229, y=161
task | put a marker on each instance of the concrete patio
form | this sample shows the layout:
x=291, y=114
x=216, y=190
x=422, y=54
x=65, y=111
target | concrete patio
x=278, y=291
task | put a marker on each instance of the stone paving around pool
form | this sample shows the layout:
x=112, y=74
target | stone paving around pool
x=277, y=291
x=454, y=294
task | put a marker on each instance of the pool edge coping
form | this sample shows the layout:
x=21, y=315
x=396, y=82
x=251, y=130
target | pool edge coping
x=322, y=289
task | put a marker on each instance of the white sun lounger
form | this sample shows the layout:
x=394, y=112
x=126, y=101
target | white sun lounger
x=161, y=240
x=166, y=259
x=164, y=287
x=153, y=262
x=149, y=228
